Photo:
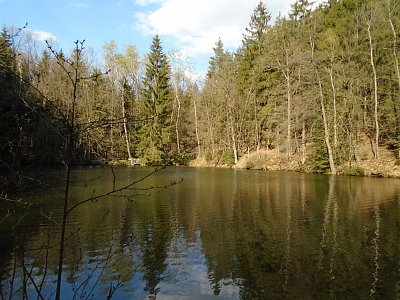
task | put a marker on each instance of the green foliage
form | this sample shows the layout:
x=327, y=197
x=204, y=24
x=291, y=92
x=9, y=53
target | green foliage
x=31, y=132
x=319, y=158
x=181, y=160
x=208, y=156
x=250, y=164
x=217, y=61
x=393, y=143
x=227, y=158
x=355, y=170
x=156, y=108
x=255, y=38
x=397, y=162
x=9, y=100
x=267, y=94
x=300, y=9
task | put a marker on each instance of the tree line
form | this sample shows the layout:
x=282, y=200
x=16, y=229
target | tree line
x=314, y=85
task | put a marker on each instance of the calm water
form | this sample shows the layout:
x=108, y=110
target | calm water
x=219, y=234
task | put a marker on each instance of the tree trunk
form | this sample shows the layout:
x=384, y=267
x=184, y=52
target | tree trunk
x=289, y=115
x=257, y=129
x=196, y=124
x=178, y=144
x=235, y=153
x=335, y=138
x=376, y=154
x=234, y=146
x=125, y=128
x=111, y=125
x=303, y=143
x=178, y=111
x=210, y=130
x=326, y=129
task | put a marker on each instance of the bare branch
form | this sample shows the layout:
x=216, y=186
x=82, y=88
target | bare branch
x=115, y=190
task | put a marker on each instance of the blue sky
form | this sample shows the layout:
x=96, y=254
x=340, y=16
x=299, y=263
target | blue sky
x=189, y=26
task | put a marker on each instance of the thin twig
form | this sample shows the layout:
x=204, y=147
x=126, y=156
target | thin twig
x=114, y=191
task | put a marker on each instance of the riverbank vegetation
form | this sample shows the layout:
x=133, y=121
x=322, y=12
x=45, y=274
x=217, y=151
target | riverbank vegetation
x=318, y=89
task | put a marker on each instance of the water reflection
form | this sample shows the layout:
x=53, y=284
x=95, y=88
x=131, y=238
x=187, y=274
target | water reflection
x=221, y=233
x=329, y=243
x=375, y=247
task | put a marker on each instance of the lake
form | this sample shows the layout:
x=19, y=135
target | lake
x=217, y=234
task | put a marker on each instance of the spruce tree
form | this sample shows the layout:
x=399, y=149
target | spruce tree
x=10, y=108
x=156, y=106
x=252, y=73
x=254, y=39
x=216, y=62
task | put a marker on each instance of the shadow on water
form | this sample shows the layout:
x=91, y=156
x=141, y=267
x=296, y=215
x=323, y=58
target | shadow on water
x=221, y=233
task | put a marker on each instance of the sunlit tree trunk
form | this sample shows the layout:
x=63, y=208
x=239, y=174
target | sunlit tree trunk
x=303, y=143
x=111, y=124
x=326, y=128
x=322, y=102
x=234, y=146
x=196, y=125
x=335, y=138
x=125, y=127
x=178, y=111
x=372, y=61
x=210, y=130
x=257, y=128
x=289, y=112
x=285, y=69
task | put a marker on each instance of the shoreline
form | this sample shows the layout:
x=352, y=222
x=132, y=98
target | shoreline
x=270, y=161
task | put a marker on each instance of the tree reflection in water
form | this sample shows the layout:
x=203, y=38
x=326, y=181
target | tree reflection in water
x=228, y=234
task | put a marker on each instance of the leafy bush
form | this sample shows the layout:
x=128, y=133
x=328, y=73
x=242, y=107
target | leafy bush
x=250, y=164
x=320, y=159
x=354, y=171
x=208, y=156
x=228, y=158
x=181, y=160
x=397, y=162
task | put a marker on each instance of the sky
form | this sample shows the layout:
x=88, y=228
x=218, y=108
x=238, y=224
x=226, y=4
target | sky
x=189, y=26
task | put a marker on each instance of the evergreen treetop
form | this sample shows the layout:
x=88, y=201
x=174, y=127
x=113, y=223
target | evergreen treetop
x=156, y=107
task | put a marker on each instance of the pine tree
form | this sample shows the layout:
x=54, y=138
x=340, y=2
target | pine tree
x=216, y=62
x=221, y=105
x=255, y=37
x=8, y=99
x=253, y=45
x=156, y=106
x=251, y=75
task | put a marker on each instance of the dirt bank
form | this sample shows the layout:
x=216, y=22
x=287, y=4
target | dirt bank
x=366, y=165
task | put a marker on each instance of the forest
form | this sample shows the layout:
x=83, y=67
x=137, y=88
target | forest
x=320, y=88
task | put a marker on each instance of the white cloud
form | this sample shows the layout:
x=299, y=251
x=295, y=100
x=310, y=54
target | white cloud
x=42, y=35
x=195, y=25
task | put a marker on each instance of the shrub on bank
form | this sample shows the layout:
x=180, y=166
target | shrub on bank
x=228, y=158
x=250, y=164
x=208, y=156
x=355, y=170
